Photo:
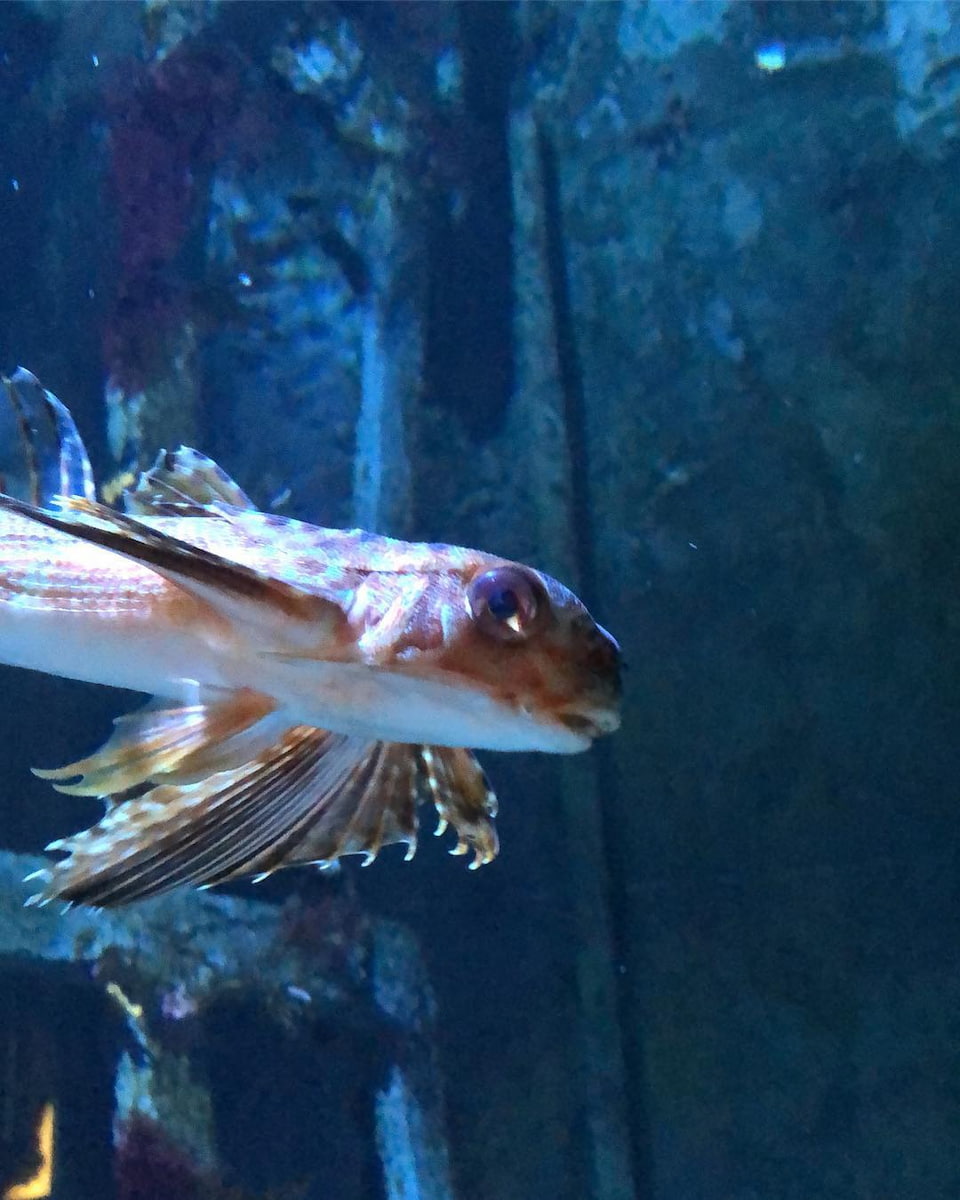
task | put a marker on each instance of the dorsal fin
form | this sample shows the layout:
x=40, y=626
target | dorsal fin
x=185, y=482
x=41, y=453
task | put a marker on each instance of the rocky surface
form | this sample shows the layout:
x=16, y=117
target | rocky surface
x=211, y=1000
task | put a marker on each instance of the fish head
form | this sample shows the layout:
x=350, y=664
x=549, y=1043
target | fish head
x=525, y=661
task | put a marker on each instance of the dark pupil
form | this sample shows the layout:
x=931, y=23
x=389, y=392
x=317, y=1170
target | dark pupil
x=504, y=604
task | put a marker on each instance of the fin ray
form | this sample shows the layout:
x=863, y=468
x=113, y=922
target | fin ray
x=463, y=797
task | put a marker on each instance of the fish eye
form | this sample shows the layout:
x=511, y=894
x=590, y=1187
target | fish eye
x=506, y=603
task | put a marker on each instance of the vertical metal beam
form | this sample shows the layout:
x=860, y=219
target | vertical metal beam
x=389, y=371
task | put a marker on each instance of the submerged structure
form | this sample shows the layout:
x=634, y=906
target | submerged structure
x=659, y=297
x=148, y=1050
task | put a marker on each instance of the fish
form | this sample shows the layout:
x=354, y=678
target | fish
x=309, y=688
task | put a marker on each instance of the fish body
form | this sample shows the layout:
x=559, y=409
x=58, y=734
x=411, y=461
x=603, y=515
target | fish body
x=69, y=608
x=309, y=685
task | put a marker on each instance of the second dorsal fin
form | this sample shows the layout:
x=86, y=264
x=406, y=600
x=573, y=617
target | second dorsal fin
x=184, y=482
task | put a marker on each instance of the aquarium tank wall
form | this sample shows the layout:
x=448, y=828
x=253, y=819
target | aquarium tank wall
x=659, y=297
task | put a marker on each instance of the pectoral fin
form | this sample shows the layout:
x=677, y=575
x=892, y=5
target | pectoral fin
x=238, y=592
x=311, y=797
x=463, y=798
x=204, y=832
x=377, y=806
x=172, y=744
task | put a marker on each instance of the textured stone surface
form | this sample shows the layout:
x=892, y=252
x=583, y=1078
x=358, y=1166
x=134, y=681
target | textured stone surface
x=761, y=264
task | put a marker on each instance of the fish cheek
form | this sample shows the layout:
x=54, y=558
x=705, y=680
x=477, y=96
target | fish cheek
x=569, y=676
x=535, y=675
x=513, y=671
x=423, y=635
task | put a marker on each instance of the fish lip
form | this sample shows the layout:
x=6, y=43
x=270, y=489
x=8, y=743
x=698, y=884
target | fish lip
x=593, y=723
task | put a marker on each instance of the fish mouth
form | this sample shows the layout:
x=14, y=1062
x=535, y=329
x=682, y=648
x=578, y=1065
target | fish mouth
x=592, y=724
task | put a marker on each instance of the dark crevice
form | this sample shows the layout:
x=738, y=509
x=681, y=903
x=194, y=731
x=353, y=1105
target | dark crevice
x=468, y=339
x=568, y=365
x=619, y=869
x=294, y=1108
x=60, y=1040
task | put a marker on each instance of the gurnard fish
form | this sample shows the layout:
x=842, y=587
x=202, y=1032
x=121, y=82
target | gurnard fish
x=309, y=686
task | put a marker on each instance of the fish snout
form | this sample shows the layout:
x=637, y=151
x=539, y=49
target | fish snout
x=604, y=663
x=596, y=709
x=608, y=657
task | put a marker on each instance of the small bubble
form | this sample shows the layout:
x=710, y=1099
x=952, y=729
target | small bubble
x=15, y=184
x=95, y=59
x=244, y=279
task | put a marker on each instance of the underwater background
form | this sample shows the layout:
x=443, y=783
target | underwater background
x=663, y=298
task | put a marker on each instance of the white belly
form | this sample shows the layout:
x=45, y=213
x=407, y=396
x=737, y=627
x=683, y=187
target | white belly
x=99, y=649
